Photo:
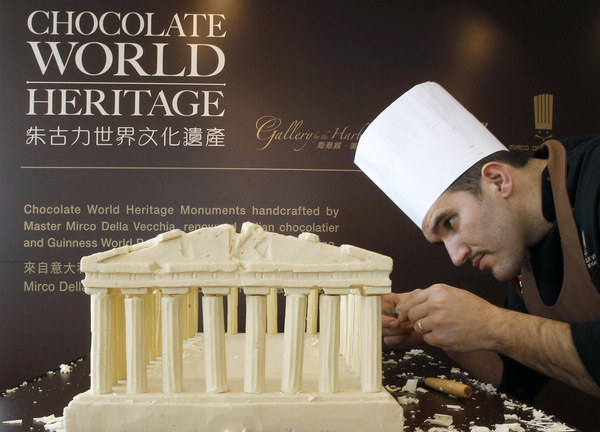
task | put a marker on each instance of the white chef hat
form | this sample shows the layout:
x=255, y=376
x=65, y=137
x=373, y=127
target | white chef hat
x=419, y=145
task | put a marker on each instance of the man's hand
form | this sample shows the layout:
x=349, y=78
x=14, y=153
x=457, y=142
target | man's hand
x=396, y=331
x=471, y=329
x=449, y=318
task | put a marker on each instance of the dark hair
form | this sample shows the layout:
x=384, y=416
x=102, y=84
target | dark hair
x=470, y=180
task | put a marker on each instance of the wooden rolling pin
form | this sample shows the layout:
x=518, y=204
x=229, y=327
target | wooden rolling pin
x=449, y=387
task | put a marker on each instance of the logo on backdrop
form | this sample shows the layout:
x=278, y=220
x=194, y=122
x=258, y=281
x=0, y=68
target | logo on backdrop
x=273, y=131
x=543, y=114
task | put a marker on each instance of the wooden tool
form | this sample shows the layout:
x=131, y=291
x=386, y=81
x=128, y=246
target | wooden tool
x=449, y=387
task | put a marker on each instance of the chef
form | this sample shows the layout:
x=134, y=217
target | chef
x=533, y=221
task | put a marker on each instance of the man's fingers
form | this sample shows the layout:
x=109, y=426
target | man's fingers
x=394, y=340
x=389, y=321
x=408, y=301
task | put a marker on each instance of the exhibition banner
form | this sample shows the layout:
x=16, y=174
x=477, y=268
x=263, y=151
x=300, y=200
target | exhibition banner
x=123, y=120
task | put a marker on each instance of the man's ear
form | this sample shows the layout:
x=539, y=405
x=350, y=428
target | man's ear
x=498, y=177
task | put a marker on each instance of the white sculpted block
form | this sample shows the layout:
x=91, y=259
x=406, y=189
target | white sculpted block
x=250, y=381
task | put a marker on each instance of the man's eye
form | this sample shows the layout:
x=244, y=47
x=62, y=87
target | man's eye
x=449, y=224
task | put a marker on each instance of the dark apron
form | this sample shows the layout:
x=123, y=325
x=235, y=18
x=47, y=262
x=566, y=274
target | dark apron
x=579, y=299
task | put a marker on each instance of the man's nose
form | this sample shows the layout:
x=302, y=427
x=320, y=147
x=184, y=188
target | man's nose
x=458, y=251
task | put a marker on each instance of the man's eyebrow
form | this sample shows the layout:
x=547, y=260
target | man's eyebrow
x=438, y=221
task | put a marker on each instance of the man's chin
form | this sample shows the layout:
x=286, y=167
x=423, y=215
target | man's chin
x=502, y=276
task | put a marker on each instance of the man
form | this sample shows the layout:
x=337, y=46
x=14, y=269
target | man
x=504, y=213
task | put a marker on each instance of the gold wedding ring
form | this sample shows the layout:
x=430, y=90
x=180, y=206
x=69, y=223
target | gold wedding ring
x=420, y=325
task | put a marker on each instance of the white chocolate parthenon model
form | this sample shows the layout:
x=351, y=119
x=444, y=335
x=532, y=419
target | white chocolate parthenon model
x=144, y=306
